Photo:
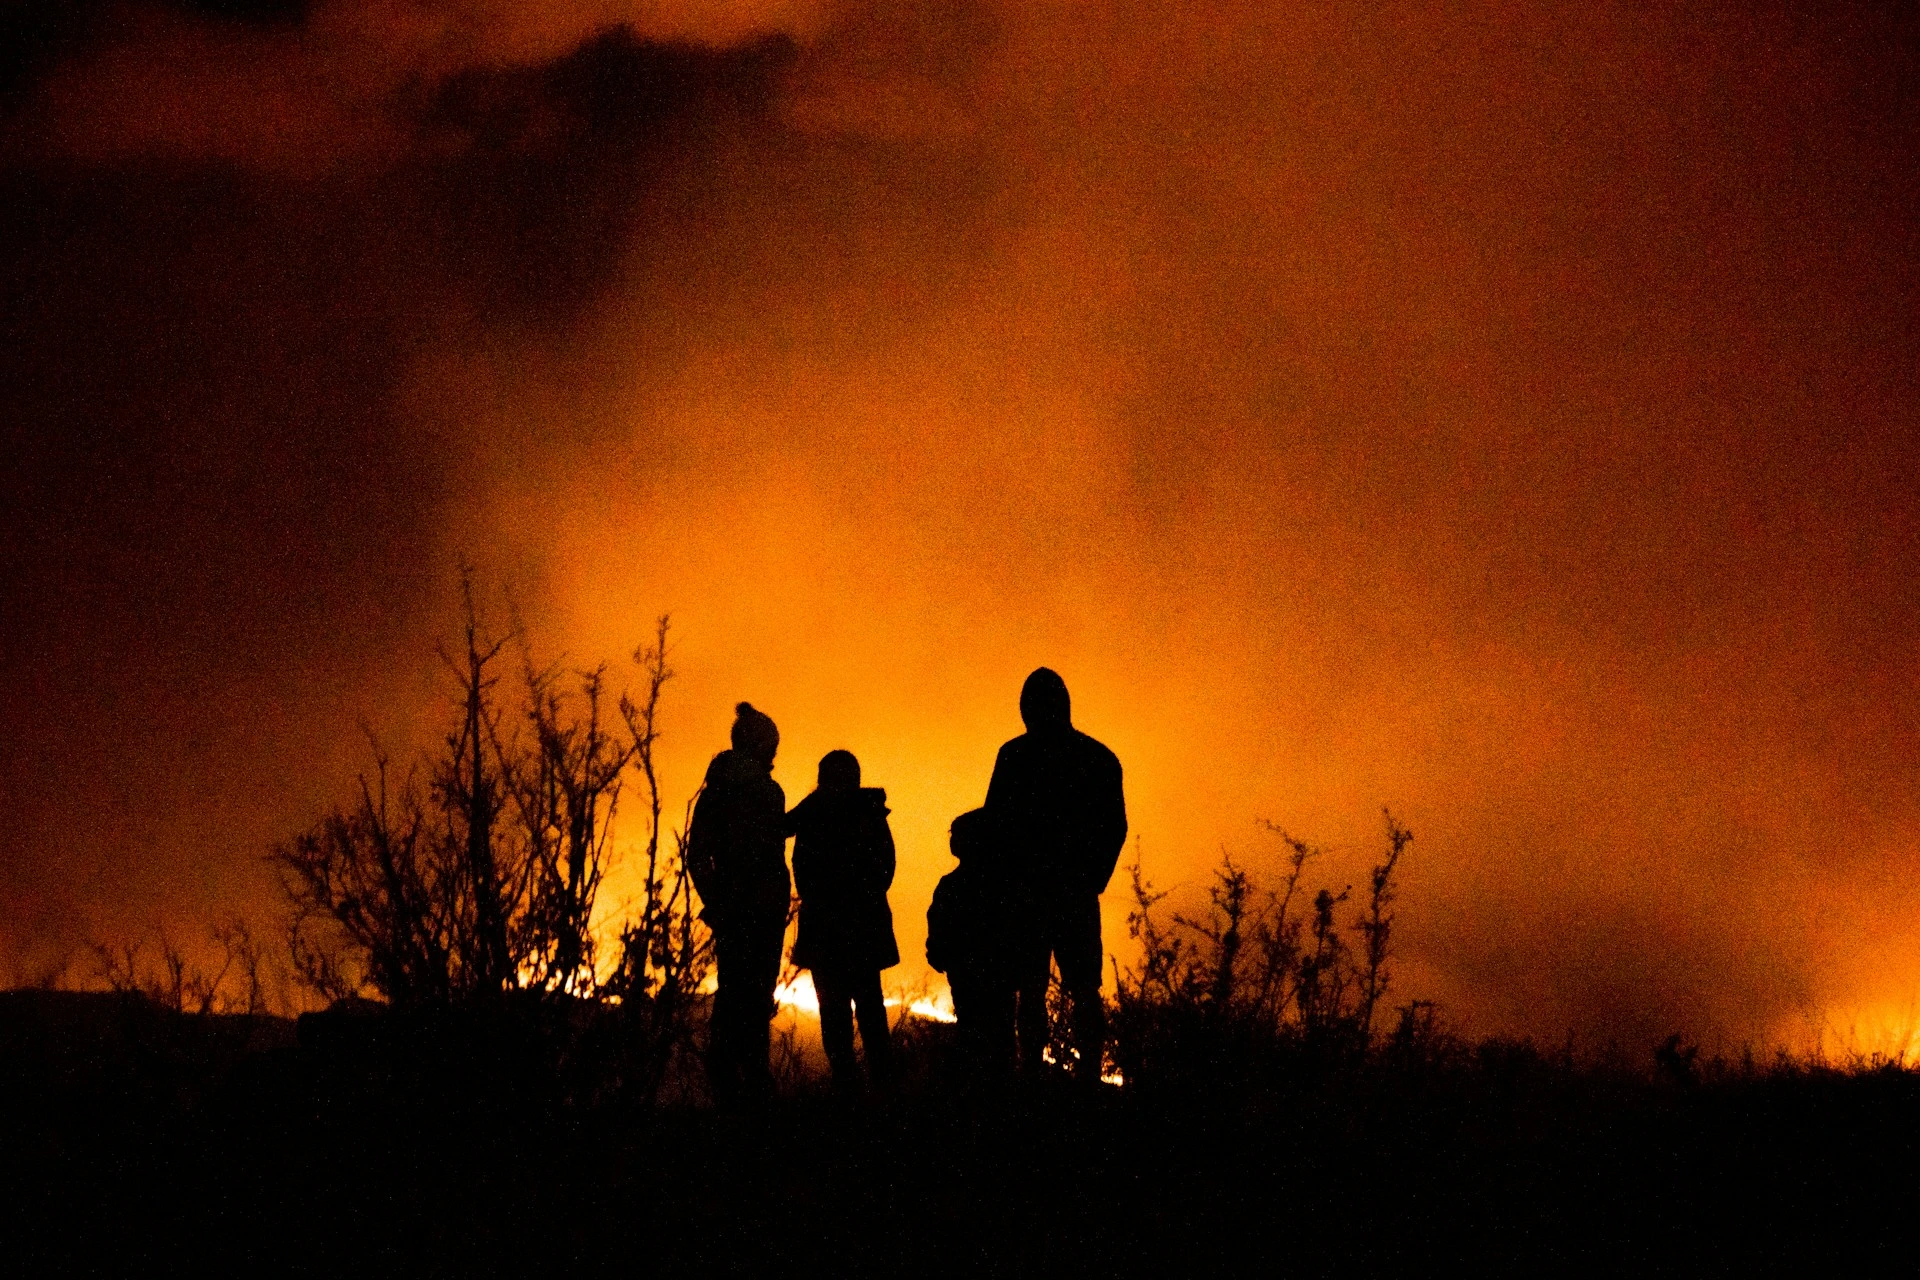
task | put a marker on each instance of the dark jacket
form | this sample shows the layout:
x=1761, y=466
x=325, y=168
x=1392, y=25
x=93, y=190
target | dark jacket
x=981, y=909
x=1056, y=798
x=954, y=923
x=842, y=866
x=737, y=844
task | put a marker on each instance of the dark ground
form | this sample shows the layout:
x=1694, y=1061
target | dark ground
x=138, y=1141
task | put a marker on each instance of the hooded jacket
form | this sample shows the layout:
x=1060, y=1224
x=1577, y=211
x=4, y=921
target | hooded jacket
x=843, y=860
x=1056, y=798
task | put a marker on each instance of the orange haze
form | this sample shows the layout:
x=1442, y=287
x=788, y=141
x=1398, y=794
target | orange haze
x=1501, y=412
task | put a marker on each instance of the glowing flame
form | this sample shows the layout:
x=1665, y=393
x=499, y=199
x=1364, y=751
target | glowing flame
x=1114, y=1077
x=800, y=996
x=930, y=1009
x=1887, y=1032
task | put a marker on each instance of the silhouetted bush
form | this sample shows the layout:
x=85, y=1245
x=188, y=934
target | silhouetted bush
x=172, y=980
x=1260, y=984
x=476, y=889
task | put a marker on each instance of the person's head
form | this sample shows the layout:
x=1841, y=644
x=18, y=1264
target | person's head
x=1043, y=701
x=839, y=771
x=970, y=833
x=754, y=734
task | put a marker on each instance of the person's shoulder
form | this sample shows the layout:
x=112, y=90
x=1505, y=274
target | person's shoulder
x=1094, y=749
x=875, y=798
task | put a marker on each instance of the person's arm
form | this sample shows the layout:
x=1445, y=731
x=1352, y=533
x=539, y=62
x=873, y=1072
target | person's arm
x=1001, y=786
x=777, y=821
x=885, y=859
x=1111, y=825
x=803, y=866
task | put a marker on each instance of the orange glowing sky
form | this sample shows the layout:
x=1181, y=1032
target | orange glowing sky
x=1503, y=412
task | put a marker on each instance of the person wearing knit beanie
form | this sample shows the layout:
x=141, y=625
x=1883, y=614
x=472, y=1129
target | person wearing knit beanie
x=737, y=854
x=755, y=733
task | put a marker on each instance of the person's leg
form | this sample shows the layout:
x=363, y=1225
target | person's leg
x=966, y=1022
x=768, y=944
x=1033, y=971
x=876, y=1037
x=983, y=1002
x=836, y=1025
x=1077, y=949
x=723, y=1038
x=1028, y=1000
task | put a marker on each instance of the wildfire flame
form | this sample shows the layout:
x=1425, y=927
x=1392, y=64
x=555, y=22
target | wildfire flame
x=800, y=997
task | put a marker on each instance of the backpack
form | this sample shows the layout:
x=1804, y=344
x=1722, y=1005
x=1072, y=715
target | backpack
x=703, y=838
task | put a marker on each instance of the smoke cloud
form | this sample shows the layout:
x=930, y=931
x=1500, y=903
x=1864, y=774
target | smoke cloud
x=1505, y=414
x=333, y=86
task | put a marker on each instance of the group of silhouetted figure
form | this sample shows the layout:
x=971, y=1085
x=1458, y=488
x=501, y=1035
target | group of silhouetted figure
x=1024, y=900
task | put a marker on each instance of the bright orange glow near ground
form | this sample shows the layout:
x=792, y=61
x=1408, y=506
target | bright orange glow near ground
x=1504, y=414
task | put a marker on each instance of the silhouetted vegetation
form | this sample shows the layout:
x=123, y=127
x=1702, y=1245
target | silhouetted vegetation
x=1262, y=981
x=489, y=1086
x=470, y=881
x=169, y=979
x=216, y=1141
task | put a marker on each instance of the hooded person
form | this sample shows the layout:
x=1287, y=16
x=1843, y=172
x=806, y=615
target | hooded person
x=843, y=862
x=736, y=852
x=1057, y=802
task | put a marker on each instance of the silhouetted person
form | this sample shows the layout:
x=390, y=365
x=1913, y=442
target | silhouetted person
x=843, y=866
x=973, y=924
x=1056, y=801
x=737, y=848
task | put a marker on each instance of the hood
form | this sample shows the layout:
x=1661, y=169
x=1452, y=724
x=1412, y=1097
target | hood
x=1044, y=704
